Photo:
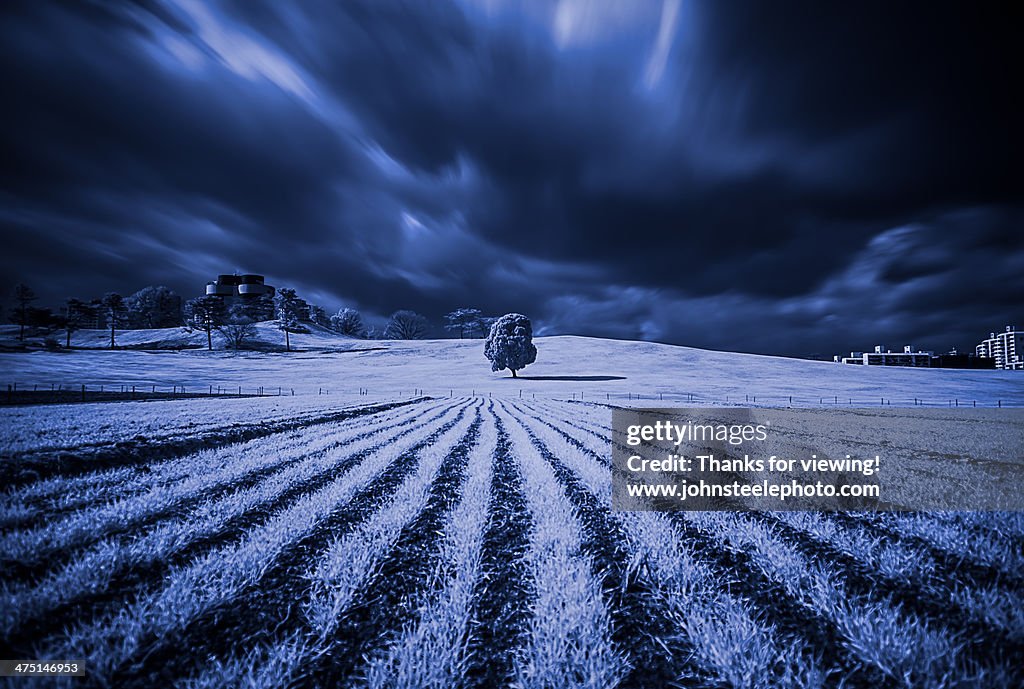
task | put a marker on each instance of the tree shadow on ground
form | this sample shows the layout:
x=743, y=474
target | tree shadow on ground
x=572, y=378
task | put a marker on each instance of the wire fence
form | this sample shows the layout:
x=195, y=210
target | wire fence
x=52, y=393
x=805, y=400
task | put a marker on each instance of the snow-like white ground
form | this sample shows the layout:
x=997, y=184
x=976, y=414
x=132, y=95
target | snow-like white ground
x=567, y=366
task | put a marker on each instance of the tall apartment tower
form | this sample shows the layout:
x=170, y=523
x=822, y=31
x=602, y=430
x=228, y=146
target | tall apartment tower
x=1006, y=348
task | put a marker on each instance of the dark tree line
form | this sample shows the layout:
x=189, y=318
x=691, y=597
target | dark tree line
x=468, y=323
x=159, y=307
x=150, y=307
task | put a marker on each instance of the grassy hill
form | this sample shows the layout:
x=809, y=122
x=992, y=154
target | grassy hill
x=566, y=366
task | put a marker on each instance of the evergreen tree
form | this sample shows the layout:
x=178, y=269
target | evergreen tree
x=465, y=322
x=289, y=309
x=24, y=295
x=207, y=313
x=114, y=310
x=77, y=315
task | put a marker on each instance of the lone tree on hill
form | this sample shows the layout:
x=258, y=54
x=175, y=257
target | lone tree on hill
x=114, y=310
x=207, y=313
x=510, y=343
x=406, y=325
x=290, y=309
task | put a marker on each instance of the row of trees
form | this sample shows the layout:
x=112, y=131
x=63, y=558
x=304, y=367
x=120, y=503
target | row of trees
x=77, y=314
x=160, y=307
x=150, y=307
x=509, y=341
x=466, y=322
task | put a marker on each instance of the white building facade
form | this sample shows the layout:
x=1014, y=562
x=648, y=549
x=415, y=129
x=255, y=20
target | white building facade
x=1006, y=348
x=883, y=357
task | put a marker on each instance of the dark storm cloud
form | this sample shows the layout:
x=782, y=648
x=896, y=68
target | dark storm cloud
x=813, y=173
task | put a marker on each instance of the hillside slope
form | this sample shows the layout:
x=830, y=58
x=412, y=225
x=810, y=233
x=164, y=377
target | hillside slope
x=566, y=365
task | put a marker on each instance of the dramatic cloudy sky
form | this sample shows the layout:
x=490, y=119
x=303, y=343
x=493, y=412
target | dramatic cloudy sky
x=778, y=177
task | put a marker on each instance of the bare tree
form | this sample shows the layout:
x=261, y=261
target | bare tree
x=406, y=325
x=239, y=330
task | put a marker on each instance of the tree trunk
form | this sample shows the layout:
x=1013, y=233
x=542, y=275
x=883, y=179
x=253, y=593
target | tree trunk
x=111, y=335
x=209, y=339
x=287, y=343
x=513, y=372
x=69, y=338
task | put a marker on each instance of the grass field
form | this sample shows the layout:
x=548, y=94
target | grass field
x=468, y=542
x=597, y=369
